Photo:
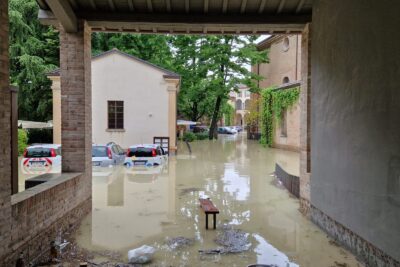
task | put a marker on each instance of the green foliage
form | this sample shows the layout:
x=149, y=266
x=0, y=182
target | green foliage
x=189, y=137
x=33, y=52
x=44, y=136
x=201, y=136
x=229, y=114
x=273, y=103
x=22, y=141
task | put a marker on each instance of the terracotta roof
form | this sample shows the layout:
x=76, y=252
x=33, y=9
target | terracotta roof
x=167, y=73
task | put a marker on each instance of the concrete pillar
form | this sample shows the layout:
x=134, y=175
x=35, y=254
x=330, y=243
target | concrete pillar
x=305, y=121
x=76, y=105
x=56, y=91
x=5, y=134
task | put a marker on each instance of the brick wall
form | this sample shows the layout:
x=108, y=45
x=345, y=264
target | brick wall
x=41, y=212
x=305, y=122
x=76, y=105
x=5, y=133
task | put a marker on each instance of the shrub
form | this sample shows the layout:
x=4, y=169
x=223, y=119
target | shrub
x=22, y=141
x=44, y=136
x=189, y=137
x=201, y=136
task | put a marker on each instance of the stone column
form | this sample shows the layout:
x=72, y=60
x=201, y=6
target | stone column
x=305, y=121
x=56, y=90
x=5, y=135
x=76, y=105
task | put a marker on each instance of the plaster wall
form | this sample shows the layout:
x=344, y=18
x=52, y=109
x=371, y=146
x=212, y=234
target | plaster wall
x=145, y=95
x=355, y=124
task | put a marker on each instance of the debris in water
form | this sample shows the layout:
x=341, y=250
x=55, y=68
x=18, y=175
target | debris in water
x=141, y=255
x=185, y=191
x=339, y=264
x=179, y=242
x=211, y=251
x=233, y=241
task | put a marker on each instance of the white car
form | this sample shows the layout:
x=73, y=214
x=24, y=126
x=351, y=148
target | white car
x=41, y=158
x=145, y=155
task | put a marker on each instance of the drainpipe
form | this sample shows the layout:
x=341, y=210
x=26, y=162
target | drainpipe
x=297, y=54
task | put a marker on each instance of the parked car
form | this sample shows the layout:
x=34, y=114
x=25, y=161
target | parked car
x=200, y=129
x=145, y=155
x=41, y=158
x=107, y=155
x=226, y=130
x=238, y=128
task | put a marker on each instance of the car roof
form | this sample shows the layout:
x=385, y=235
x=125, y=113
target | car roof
x=44, y=146
x=145, y=145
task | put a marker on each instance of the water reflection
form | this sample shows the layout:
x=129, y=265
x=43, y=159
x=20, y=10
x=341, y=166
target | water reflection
x=133, y=207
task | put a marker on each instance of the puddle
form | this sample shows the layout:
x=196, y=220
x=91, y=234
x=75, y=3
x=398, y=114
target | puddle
x=151, y=207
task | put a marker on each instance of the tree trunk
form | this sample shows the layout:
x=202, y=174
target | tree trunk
x=213, y=128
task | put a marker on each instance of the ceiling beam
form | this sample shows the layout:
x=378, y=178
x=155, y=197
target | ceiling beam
x=73, y=3
x=168, y=5
x=262, y=6
x=130, y=4
x=300, y=6
x=224, y=6
x=111, y=4
x=149, y=6
x=187, y=6
x=281, y=5
x=93, y=4
x=243, y=6
x=64, y=14
x=192, y=18
x=205, y=6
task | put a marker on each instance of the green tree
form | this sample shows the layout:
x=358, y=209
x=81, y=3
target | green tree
x=149, y=47
x=33, y=52
x=229, y=59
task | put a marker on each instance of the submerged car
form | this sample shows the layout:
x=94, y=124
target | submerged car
x=226, y=130
x=145, y=155
x=41, y=158
x=107, y=155
x=238, y=128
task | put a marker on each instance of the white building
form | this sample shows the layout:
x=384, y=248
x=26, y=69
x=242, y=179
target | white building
x=133, y=101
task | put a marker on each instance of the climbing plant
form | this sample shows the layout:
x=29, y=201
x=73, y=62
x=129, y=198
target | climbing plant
x=273, y=103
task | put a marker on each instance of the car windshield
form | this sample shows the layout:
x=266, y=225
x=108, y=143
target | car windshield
x=38, y=152
x=140, y=152
x=99, y=151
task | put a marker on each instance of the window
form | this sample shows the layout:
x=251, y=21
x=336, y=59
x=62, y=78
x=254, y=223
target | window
x=285, y=80
x=115, y=114
x=285, y=45
x=284, y=123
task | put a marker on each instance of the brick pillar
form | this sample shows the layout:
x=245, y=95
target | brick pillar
x=305, y=120
x=76, y=105
x=5, y=134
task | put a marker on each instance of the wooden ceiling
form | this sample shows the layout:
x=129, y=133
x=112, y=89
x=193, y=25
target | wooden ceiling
x=180, y=16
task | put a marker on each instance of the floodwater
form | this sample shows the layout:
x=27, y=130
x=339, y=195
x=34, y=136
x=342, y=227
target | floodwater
x=135, y=207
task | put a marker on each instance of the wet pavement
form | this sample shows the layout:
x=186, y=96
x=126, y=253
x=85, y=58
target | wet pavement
x=159, y=207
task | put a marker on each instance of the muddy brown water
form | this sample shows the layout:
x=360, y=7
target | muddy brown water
x=149, y=206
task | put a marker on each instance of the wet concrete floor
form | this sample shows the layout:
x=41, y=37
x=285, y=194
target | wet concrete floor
x=134, y=207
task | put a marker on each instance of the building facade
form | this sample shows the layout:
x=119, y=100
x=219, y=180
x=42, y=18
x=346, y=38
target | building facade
x=283, y=71
x=124, y=87
x=241, y=102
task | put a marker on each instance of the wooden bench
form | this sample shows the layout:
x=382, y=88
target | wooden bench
x=209, y=208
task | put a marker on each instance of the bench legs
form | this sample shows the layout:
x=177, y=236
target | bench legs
x=214, y=220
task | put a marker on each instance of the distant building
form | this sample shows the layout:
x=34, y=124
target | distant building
x=133, y=101
x=283, y=71
x=241, y=102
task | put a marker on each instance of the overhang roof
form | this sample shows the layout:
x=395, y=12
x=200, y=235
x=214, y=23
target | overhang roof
x=180, y=16
x=167, y=73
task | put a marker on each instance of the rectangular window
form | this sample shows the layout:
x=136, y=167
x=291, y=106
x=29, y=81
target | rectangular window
x=115, y=114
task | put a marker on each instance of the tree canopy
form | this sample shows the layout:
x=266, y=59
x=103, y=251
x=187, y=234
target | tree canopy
x=210, y=65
